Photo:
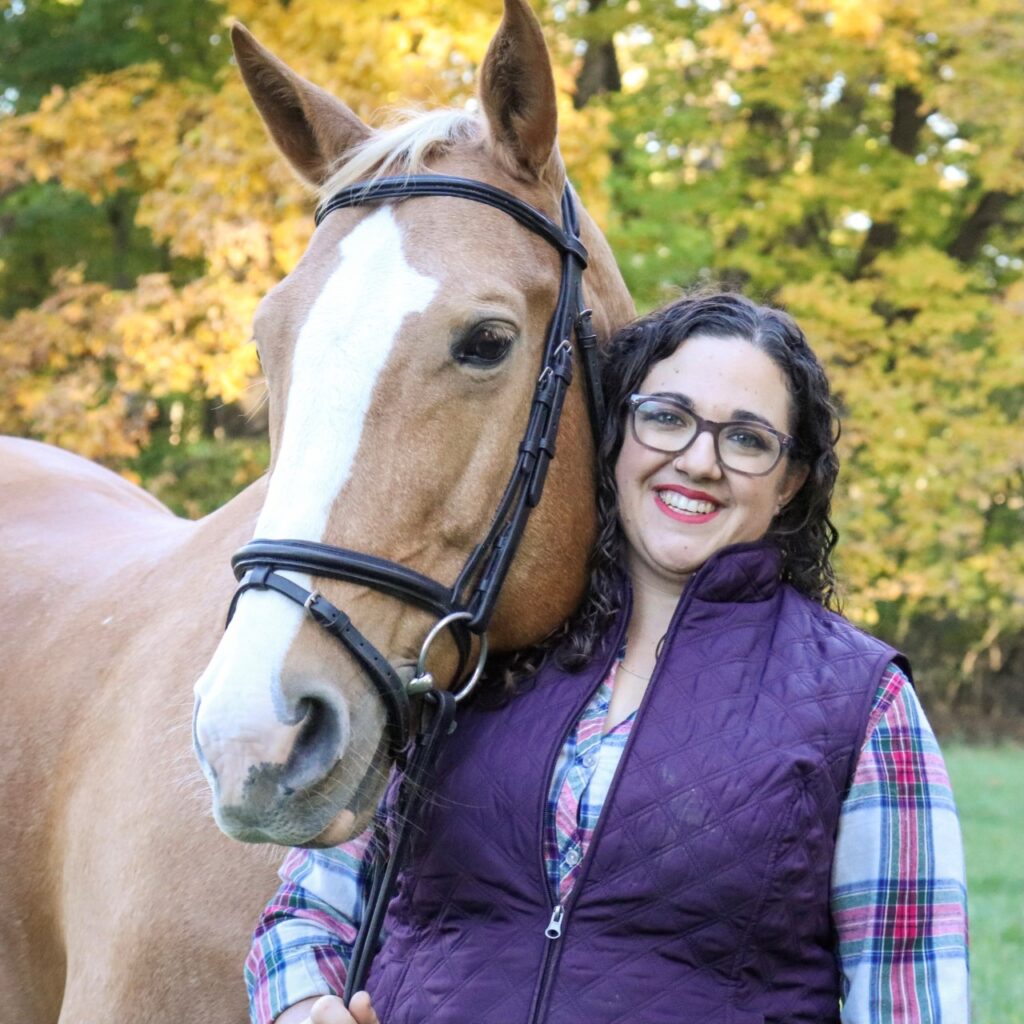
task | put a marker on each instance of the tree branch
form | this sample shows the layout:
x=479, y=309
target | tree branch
x=881, y=236
x=986, y=215
x=907, y=119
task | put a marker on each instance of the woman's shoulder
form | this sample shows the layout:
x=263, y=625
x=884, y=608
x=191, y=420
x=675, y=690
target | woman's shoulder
x=835, y=639
x=834, y=621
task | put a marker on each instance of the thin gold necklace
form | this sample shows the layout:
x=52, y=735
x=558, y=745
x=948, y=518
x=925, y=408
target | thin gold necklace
x=630, y=672
x=637, y=675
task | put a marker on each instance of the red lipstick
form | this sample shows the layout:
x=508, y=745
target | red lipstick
x=689, y=492
x=686, y=517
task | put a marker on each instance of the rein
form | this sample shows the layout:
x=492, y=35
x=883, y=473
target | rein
x=465, y=608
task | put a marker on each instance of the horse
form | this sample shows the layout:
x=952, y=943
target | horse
x=399, y=356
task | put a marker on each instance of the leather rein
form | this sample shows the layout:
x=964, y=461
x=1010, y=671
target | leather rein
x=465, y=608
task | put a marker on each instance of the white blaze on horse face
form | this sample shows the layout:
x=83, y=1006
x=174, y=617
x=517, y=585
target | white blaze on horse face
x=243, y=717
x=342, y=347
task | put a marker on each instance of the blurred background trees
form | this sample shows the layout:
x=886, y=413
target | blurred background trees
x=859, y=161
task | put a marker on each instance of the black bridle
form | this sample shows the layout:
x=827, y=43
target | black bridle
x=466, y=607
x=469, y=603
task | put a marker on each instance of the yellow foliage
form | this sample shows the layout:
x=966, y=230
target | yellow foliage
x=213, y=187
x=780, y=17
x=859, y=20
x=110, y=132
x=923, y=350
x=59, y=364
x=902, y=61
x=743, y=47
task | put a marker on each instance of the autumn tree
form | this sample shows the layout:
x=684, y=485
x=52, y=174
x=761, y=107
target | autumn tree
x=862, y=164
x=859, y=162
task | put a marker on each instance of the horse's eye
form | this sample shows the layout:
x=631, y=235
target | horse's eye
x=484, y=345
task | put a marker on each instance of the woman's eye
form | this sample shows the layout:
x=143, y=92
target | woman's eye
x=664, y=417
x=748, y=438
x=485, y=345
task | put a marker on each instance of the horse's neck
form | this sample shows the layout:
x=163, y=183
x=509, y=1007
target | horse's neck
x=184, y=588
x=603, y=282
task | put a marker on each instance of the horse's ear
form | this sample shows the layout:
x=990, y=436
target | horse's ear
x=517, y=91
x=311, y=128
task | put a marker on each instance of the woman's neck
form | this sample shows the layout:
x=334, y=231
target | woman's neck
x=653, y=607
x=654, y=604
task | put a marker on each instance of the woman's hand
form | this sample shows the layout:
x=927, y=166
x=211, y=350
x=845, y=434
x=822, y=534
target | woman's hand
x=331, y=1010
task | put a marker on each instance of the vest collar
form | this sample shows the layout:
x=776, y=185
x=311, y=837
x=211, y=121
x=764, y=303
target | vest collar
x=737, y=574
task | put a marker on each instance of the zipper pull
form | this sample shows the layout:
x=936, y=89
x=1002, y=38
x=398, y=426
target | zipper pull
x=554, y=928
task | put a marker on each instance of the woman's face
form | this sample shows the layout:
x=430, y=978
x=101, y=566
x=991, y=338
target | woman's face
x=678, y=510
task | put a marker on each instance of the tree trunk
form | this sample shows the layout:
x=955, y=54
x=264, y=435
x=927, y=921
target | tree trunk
x=600, y=71
x=119, y=217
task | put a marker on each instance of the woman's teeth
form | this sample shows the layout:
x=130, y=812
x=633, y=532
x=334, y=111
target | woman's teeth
x=681, y=503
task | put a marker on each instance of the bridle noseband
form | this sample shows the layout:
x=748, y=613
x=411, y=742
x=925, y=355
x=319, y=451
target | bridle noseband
x=466, y=607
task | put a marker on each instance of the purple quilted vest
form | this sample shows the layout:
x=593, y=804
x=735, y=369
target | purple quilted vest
x=705, y=892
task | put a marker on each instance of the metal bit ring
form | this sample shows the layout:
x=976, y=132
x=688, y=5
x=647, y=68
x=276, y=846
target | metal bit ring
x=424, y=680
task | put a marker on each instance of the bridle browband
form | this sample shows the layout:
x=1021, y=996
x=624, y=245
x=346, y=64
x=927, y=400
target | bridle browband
x=466, y=607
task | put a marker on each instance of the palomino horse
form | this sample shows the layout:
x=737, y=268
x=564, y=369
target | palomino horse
x=399, y=356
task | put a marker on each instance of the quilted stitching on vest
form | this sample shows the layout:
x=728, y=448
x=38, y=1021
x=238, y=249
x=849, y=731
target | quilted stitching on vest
x=705, y=893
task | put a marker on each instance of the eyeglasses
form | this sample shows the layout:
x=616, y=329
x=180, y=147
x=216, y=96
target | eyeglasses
x=664, y=424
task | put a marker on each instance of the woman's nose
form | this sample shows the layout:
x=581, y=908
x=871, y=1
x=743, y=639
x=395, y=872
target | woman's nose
x=700, y=460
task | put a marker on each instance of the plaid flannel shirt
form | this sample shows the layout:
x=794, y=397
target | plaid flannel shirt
x=898, y=896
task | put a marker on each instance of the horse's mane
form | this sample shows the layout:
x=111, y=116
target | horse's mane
x=404, y=147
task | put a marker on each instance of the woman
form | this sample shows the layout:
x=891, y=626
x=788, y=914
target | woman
x=778, y=840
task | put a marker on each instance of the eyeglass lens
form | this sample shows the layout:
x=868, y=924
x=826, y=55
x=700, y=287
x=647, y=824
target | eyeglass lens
x=670, y=428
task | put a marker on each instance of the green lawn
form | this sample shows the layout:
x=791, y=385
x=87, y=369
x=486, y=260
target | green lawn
x=989, y=787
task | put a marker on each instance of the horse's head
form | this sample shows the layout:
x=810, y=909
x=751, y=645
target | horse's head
x=401, y=355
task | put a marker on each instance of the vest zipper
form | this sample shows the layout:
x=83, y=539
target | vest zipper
x=560, y=910
x=553, y=932
x=554, y=928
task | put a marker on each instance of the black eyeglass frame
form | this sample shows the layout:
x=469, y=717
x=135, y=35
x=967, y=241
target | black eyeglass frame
x=712, y=427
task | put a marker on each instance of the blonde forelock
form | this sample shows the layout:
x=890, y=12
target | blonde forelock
x=404, y=147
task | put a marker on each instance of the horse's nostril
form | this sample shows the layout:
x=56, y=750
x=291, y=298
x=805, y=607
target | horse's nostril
x=317, y=747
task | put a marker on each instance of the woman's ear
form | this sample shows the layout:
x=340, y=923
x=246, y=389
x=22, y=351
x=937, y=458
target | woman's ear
x=795, y=477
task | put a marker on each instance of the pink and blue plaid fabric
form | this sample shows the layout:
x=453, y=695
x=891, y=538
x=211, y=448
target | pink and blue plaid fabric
x=583, y=775
x=899, y=899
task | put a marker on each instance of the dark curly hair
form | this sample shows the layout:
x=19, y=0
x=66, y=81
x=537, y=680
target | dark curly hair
x=803, y=530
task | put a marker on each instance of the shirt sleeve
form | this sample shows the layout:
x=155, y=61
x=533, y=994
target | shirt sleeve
x=899, y=894
x=303, y=942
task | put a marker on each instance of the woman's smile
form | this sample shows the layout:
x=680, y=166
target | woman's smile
x=686, y=505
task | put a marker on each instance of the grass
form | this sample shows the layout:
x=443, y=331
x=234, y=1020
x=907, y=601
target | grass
x=989, y=786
